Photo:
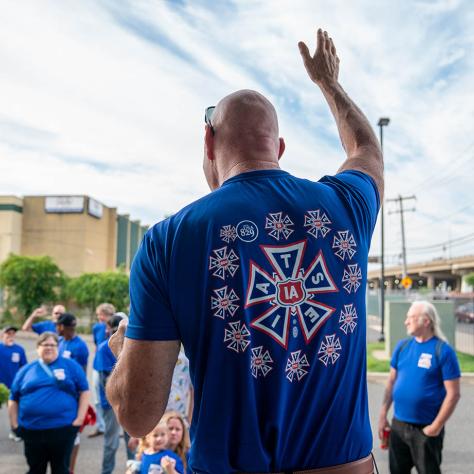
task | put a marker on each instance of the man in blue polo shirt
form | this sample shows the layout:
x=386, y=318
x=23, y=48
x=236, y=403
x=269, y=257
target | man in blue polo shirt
x=71, y=346
x=12, y=356
x=263, y=281
x=424, y=386
x=46, y=325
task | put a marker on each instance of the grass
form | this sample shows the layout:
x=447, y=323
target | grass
x=466, y=361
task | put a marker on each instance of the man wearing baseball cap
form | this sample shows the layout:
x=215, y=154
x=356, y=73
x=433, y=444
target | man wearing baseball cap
x=12, y=358
x=71, y=345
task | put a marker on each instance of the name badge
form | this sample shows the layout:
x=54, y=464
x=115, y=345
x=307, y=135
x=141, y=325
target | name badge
x=59, y=374
x=67, y=354
x=15, y=357
x=425, y=361
x=155, y=469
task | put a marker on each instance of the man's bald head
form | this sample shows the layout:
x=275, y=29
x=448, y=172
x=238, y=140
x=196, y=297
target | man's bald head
x=246, y=121
x=245, y=139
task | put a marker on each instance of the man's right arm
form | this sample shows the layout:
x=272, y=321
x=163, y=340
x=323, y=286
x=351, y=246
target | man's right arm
x=357, y=136
x=387, y=402
x=28, y=324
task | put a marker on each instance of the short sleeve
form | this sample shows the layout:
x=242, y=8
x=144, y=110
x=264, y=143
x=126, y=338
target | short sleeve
x=151, y=317
x=16, y=385
x=360, y=194
x=396, y=354
x=83, y=355
x=37, y=327
x=449, y=363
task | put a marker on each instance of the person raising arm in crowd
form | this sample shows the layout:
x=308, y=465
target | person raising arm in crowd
x=43, y=326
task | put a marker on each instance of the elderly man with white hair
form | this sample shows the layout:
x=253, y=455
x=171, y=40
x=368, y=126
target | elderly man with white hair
x=424, y=386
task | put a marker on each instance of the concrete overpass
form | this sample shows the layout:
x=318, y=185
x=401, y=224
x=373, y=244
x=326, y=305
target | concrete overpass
x=447, y=272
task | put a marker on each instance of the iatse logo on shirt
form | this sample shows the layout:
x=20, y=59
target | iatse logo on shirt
x=59, y=374
x=15, y=357
x=425, y=361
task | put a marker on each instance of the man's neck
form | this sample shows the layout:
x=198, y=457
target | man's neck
x=246, y=166
x=424, y=337
x=69, y=335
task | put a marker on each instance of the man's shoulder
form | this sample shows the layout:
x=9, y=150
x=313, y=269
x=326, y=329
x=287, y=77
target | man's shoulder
x=79, y=342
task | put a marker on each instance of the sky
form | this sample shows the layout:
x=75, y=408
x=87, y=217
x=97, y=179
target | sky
x=106, y=98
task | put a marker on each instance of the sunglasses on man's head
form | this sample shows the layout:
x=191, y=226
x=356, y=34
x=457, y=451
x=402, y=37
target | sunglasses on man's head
x=208, y=116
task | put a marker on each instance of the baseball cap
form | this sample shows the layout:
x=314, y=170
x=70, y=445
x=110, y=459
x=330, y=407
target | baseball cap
x=114, y=321
x=67, y=319
x=10, y=328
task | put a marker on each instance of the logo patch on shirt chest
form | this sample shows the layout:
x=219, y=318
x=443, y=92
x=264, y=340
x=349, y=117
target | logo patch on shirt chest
x=15, y=357
x=425, y=361
x=59, y=374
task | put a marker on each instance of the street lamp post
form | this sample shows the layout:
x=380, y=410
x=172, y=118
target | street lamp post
x=383, y=121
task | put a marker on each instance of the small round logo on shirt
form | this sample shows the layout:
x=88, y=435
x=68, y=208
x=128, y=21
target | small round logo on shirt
x=247, y=231
x=59, y=374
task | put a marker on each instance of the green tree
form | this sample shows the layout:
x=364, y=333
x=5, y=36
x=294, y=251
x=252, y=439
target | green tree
x=30, y=281
x=91, y=289
x=470, y=279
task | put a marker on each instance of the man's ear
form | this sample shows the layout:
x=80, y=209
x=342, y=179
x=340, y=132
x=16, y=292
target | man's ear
x=209, y=143
x=282, y=148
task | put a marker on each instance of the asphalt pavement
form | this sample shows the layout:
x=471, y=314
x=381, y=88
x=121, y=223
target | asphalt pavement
x=458, y=454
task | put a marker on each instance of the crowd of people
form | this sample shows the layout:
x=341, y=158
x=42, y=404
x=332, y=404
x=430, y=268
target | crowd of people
x=50, y=399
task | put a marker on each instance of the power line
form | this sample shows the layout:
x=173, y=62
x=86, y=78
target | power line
x=401, y=210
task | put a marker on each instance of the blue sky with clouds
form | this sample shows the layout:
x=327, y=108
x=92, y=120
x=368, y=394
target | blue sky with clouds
x=106, y=98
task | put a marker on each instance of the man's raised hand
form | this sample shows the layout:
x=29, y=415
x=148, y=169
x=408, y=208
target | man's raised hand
x=323, y=67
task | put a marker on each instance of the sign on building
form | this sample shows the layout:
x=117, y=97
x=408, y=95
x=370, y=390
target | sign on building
x=64, y=204
x=95, y=208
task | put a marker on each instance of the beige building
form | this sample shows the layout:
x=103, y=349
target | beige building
x=79, y=233
x=11, y=222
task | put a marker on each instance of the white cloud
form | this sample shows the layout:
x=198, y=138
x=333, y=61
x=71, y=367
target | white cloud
x=90, y=107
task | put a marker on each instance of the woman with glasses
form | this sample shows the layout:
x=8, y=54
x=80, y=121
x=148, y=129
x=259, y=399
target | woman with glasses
x=48, y=402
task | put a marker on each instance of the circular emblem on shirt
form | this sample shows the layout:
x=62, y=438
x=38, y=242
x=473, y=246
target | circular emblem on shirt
x=247, y=231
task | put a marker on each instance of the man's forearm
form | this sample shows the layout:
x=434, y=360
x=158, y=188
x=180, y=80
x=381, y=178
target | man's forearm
x=354, y=129
x=446, y=410
x=387, y=400
x=139, y=386
x=27, y=325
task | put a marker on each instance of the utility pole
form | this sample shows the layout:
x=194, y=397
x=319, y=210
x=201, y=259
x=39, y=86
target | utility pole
x=383, y=121
x=401, y=210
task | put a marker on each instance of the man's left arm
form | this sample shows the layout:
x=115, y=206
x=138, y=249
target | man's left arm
x=139, y=386
x=453, y=394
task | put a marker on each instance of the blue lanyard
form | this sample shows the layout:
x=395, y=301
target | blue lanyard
x=46, y=369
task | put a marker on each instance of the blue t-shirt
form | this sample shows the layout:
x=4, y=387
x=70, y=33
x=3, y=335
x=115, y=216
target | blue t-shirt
x=12, y=358
x=419, y=389
x=99, y=333
x=47, y=401
x=43, y=326
x=75, y=349
x=150, y=463
x=104, y=364
x=263, y=281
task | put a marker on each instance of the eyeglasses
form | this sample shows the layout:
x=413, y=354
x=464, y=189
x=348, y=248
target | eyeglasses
x=208, y=116
x=48, y=345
